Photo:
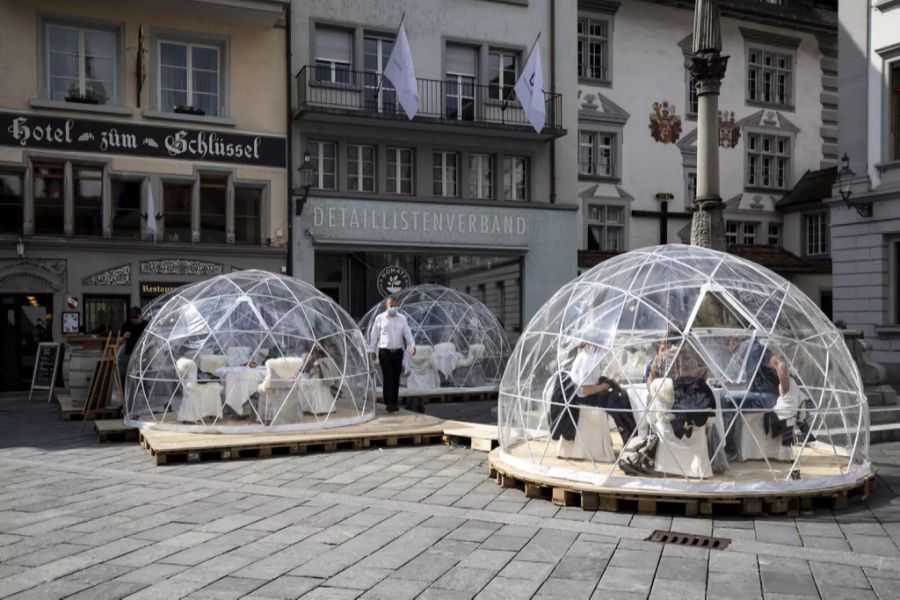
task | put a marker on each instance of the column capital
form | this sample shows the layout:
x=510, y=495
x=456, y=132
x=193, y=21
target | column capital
x=708, y=70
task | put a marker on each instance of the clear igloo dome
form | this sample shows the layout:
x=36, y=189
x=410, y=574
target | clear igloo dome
x=249, y=351
x=459, y=341
x=685, y=369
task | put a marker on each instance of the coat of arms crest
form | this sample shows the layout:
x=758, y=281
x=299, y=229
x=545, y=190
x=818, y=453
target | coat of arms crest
x=729, y=130
x=665, y=125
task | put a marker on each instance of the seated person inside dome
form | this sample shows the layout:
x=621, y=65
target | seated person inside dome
x=582, y=385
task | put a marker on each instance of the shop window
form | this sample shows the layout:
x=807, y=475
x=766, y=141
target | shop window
x=481, y=176
x=501, y=75
x=399, y=171
x=213, y=203
x=126, y=208
x=460, y=77
x=380, y=94
x=816, y=233
x=49, y=199
x=81, y=64
x=322, y=156
x=88, y=200
x=177, y=211
x=190, y=78
x=12, y=212
x=768, y=161
x=606, y=228
x=104, y=313
x=360, y=168
x=446, y=173
x=593, y=49
x=769, y=76
x=774, y=234
x=334, y=51
x=515, y=178
x=247, y=210
x=895, y=109
x=596, y=153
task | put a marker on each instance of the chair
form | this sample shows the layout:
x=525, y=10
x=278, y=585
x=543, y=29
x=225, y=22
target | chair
x=237, y=355
x=755, y=443
x=208, y=363
x=445, y=357
x=469, y=372
x=592, y=438
x=686, y=456
x=316, y=396
x=198, y=400
x=280, y=394
x=423, y=374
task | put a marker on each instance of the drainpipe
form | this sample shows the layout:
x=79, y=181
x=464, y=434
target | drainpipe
x=290, y=138
x=553, y=91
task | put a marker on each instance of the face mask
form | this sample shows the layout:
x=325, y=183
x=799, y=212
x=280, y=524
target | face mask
x=392, y=310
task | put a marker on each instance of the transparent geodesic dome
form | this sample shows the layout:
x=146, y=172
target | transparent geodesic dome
x=249, y=351
x=679, y=368
x=149, y=310
x=459, y=341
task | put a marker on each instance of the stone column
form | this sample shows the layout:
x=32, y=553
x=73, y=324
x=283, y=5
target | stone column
x=708, y=69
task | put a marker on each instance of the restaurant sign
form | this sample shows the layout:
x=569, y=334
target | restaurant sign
x=110, y=137
x=152, y=289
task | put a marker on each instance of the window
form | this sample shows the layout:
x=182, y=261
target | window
x=322, y=156
x=748, y=234
x=461, y=69
x=593, y=49
x=481, y=176
x=247, y=209
x=213, y=194
x=515, y=178
x=445, y=171
x=895, y=109
x=606, y=228
x=88, y=205
x=691, y=187
x=190, y=78
x=380, y=94
x=769, y=76
x=49, y=199
x=816, y=234
x=12, y=212
x=740, y=233
x=104, y=313
x=774, y=234
x=399, y=170
x=768, y=161
x=334, y=49
x=126, y=209
x=692, y=95
x=501, y=75
x=177, y=211
x=595, y=154
x=81, y=65
x=731, y=233
x=501, y=297
x=360, y=168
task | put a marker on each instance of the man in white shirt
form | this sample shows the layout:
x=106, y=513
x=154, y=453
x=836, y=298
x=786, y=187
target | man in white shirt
x=386, y=339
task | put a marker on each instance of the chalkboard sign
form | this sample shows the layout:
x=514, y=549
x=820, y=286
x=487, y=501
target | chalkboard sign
x=45, y=366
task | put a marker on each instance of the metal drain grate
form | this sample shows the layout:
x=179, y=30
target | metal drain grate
x=690, y=540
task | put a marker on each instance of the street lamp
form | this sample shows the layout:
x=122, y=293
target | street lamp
x=845, y=182
x=307, y=177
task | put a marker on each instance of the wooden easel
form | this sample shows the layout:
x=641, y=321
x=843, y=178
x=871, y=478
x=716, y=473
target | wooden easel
x=106, y=371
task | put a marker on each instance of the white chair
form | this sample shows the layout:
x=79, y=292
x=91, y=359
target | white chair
x=592, y=438
x=687, y=456
x=445, y=358
x=316, y=396
x=208, y=363
x=279, y=391
x=198, y=400
x=237, y=355
x=469, y=372
x=423, y=374
x=756, y=444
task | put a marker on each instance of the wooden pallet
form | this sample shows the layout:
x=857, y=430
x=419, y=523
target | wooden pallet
x=569, y=493
x=69, y=408
x=114, y=430
x=472, y=435
x=402, y=428
x=448, y=394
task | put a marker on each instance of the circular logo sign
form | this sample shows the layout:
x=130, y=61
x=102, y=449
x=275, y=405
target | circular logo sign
x=391, y=280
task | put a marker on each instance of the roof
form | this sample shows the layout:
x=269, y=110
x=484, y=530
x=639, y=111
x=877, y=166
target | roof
x=592, y=258
x=772, y=257
x=812, y=188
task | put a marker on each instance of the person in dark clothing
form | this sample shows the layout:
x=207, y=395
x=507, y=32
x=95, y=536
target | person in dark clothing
x=606, y=394
x=131, y=331
x=389, y=333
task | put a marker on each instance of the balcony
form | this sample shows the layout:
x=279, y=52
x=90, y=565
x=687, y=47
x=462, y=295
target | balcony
x=324, y=92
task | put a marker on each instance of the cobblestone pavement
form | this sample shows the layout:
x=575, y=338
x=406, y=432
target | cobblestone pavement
x=80, y=520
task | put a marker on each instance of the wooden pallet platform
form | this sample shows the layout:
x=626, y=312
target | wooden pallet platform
x=473, y=435
x=564, y=492
x=69, y=408
x=402, y=428
x=448, y=394
x=114, y=430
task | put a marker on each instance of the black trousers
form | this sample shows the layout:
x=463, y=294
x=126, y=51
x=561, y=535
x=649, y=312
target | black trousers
x=391, y=362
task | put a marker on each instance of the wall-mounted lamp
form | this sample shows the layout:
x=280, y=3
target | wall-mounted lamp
x=307, y=177
x=845, y=182
x=20, y=247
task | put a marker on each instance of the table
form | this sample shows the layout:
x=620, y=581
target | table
x=240, y=384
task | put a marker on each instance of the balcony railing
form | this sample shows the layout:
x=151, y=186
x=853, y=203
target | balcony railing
x=332, y=88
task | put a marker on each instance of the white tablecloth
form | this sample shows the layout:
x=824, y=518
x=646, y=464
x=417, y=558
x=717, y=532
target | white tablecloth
x=240, y=384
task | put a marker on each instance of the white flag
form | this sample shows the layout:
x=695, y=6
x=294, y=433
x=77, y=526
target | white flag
x=151, y=213
x=402, y=75
x=530, y=90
